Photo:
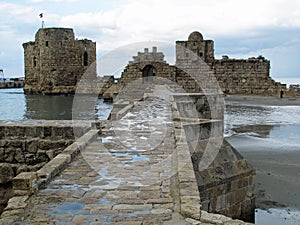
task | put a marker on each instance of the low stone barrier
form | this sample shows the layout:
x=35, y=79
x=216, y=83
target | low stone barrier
x=26, y=146
x=222, y=181
x=27, y=183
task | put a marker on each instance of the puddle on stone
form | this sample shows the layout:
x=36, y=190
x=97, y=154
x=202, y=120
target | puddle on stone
x=72, y=187
x=67, y=208
x=139, y=158
x=108, y=139
x=103, y=172
x=134, y=158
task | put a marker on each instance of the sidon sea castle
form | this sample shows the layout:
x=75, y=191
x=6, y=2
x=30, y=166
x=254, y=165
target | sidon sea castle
x=161, y=156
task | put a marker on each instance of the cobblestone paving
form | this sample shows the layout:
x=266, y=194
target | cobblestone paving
x=123, y=177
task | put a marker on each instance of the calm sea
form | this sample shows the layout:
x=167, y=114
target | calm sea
x=15, y=105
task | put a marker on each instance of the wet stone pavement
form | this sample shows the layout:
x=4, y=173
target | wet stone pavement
x=123, y=177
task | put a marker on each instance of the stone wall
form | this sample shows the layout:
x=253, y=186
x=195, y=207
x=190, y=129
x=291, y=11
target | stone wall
x=292, y=91
x=95, y=86
x=250, y=77
x=55, y=61
x=26, y=146
x=224, y=178
x=235, y=76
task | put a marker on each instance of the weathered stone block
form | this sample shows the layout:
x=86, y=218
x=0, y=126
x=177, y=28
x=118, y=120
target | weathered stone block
x=19, y=155
x=18, y=202
x=9, y=154
x=32, y=146
x=25, y=181
x=6, y=173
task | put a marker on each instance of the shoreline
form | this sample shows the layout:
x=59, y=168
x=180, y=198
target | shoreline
x=277, y=173
x=263, y=100
x=274, y=151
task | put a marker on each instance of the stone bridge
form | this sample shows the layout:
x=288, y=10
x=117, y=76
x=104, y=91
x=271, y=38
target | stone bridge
x=160, y=159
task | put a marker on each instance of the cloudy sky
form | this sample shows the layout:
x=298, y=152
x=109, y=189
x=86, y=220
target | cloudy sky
x=240, y=29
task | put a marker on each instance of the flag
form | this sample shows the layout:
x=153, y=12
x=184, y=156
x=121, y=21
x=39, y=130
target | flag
x=41, y=15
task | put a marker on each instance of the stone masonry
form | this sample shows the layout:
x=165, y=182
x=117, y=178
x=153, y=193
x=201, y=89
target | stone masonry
x=56, y=61
x=235, y=76
x=26, y=146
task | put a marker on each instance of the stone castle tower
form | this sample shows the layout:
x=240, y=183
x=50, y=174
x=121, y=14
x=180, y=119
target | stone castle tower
x=201, y=48
x=55, y=61
x=235, y=76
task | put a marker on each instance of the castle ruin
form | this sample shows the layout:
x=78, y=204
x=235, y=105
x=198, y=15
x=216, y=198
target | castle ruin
x=235, y=76
x=56, y=61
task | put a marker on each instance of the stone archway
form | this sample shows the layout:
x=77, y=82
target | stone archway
x=148, y=73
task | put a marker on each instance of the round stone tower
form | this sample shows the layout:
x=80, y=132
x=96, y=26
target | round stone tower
x=55, y=61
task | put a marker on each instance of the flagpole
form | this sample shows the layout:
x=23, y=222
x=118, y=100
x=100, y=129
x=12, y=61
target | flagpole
x=41, y=17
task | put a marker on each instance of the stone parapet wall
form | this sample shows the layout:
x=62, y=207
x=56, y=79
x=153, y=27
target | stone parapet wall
x=224, y=180
x=32, y=142
x=18, y=189
x=226, y=183
x=26, y=146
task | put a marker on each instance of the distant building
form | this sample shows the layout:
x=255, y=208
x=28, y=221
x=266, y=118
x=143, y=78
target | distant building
x=55, y=61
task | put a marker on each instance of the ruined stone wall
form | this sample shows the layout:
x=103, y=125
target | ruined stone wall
x=235, y=76
x=55, y=61
x=293, y=90
x=249, y=76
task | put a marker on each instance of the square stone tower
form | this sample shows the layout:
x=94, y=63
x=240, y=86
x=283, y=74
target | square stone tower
x=195, y=47
x=55, y=61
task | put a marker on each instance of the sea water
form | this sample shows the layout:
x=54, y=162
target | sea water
x=15, y=105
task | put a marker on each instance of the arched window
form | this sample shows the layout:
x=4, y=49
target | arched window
x=85, y=59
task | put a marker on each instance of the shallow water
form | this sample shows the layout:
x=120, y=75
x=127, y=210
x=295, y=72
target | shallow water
x=277, y=217
x=15, y=105
x=241, y=115
x=277, y=126
x=270, y=129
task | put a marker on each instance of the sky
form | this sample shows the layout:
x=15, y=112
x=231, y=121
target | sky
x=240, y=29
